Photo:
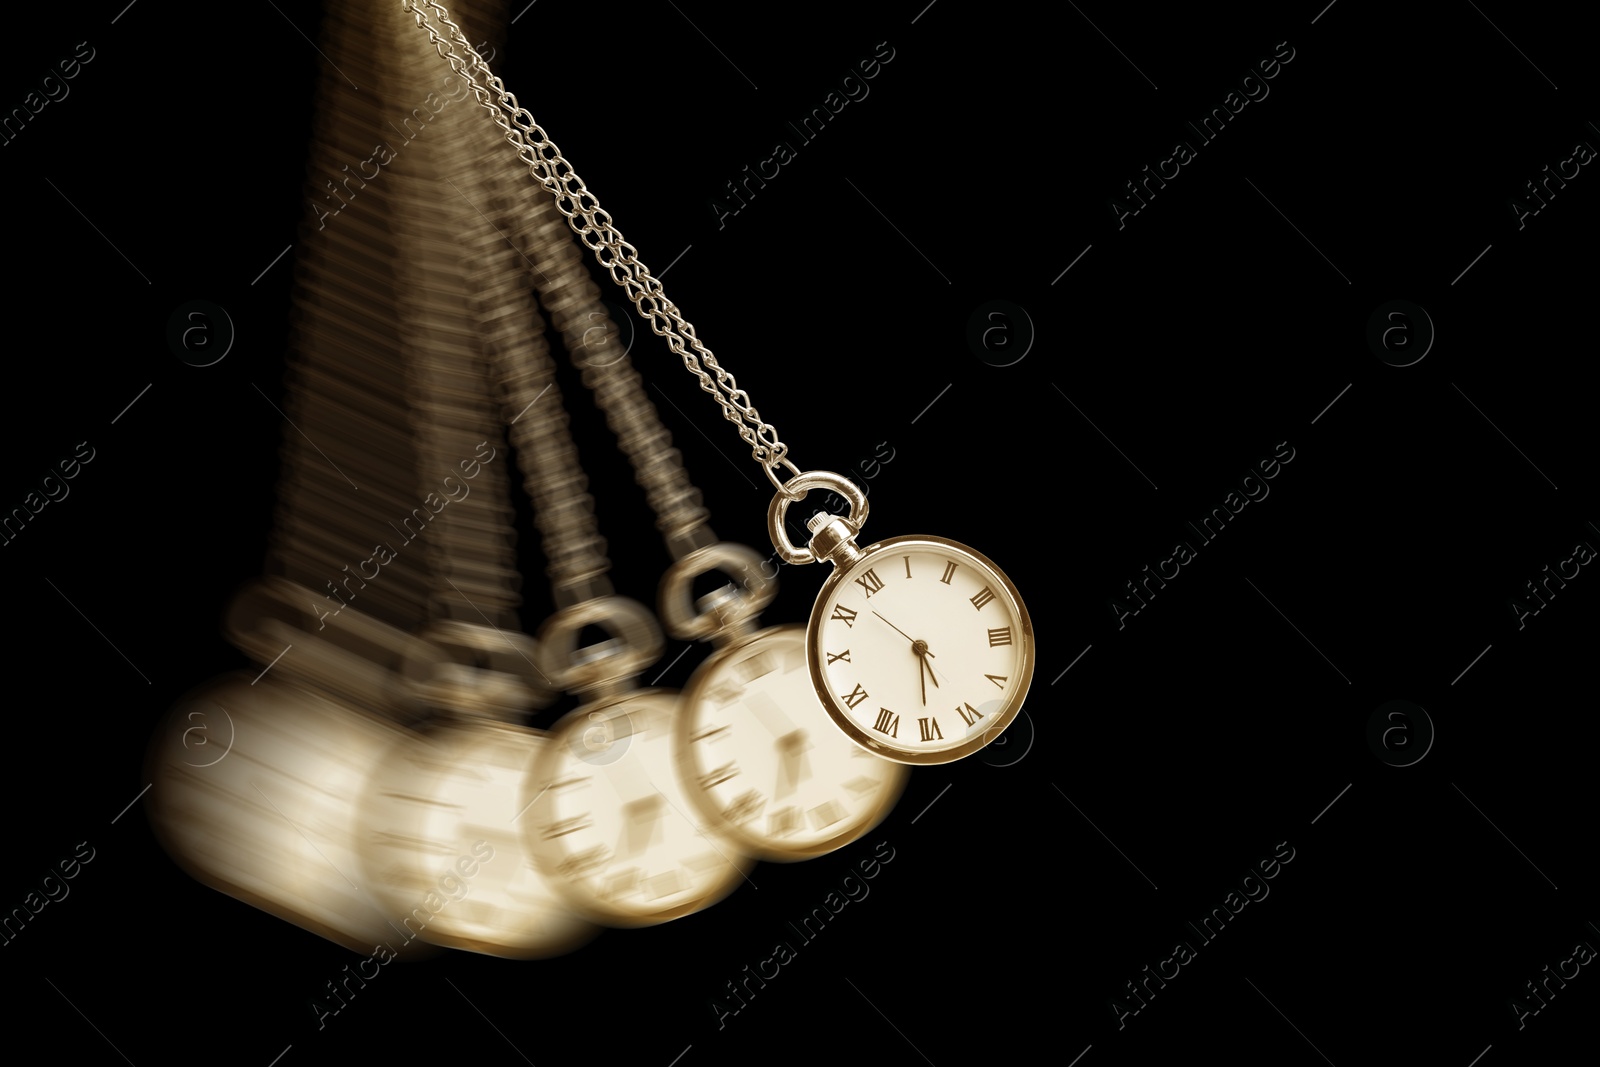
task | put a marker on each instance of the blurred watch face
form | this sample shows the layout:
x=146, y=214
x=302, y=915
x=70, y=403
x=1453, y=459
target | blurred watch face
x=443, y=834
x=610, y=823
x=762, y=758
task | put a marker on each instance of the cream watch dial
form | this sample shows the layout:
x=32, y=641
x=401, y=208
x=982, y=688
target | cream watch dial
x=922, y=650
x=268, y=809
x=611, y=826
x=762, y=759
x=444, y=831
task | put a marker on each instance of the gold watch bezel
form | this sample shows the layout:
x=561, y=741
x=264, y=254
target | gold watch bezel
x=1001, y=584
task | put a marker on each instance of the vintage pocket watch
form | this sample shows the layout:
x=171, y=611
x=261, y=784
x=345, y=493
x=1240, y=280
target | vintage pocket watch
x=834, y=537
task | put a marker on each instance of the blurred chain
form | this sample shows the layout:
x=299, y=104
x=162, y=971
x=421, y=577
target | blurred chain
x=617, y=256
x=554, y=265
x=471, y=542
x=388, y=386
x=347, y=460
x=512, y=333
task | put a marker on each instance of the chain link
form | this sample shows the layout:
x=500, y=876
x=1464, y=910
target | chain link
x=594, y=227
x=471, y=543
x=554, y=266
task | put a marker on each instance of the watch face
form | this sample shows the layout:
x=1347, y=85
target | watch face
x=257, y=792
x=443, y=834
x=922, y=650
x=610, y=825
x=762, y=759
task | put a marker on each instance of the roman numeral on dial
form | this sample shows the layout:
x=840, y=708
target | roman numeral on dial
x=844, y=615
x=968, y=713
x=845, y=655
x=826, y=814
x=581, y=864
x=870, y=582
x=855, y=696
x=745, y=806
x=724, y=692
x=983, y=598
x=998, y=679
x=930, y=732
x=888, y=723
x=718, y=775
x=1001, y=636
x=562, y=827
x=949, y=571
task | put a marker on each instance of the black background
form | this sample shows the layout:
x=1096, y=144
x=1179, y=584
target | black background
x=1179, y=749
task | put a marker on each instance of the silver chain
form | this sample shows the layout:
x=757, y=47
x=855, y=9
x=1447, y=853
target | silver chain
x=594, y=227
x=554, y=265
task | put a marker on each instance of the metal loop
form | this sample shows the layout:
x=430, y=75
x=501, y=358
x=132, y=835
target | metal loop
x=349, y=654
x=777, y=512
x=636, y=642
x=753, y=592
x=784, y=487
x=483, y=670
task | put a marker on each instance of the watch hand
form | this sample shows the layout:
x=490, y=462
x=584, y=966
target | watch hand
x=922, y=676
x=792, y=765
x=897, y=630
x=643, y=826
x=926, y=656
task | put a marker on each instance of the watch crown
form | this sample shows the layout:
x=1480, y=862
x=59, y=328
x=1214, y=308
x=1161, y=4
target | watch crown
x=833, y=539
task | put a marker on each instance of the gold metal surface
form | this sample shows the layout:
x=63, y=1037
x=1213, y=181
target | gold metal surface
x=888, y=554
x=762, y=760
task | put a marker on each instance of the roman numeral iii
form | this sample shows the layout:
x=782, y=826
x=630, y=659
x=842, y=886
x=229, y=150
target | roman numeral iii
x=870, y=582
x=983, y=598
x=719, y=775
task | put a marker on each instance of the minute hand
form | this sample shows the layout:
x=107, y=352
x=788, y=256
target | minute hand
x=897, y=629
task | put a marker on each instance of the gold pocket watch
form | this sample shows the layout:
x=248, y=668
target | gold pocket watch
x=756, y=749
x=273, y=818
x=920, y=648
x=608, y=817
x=944, y=656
